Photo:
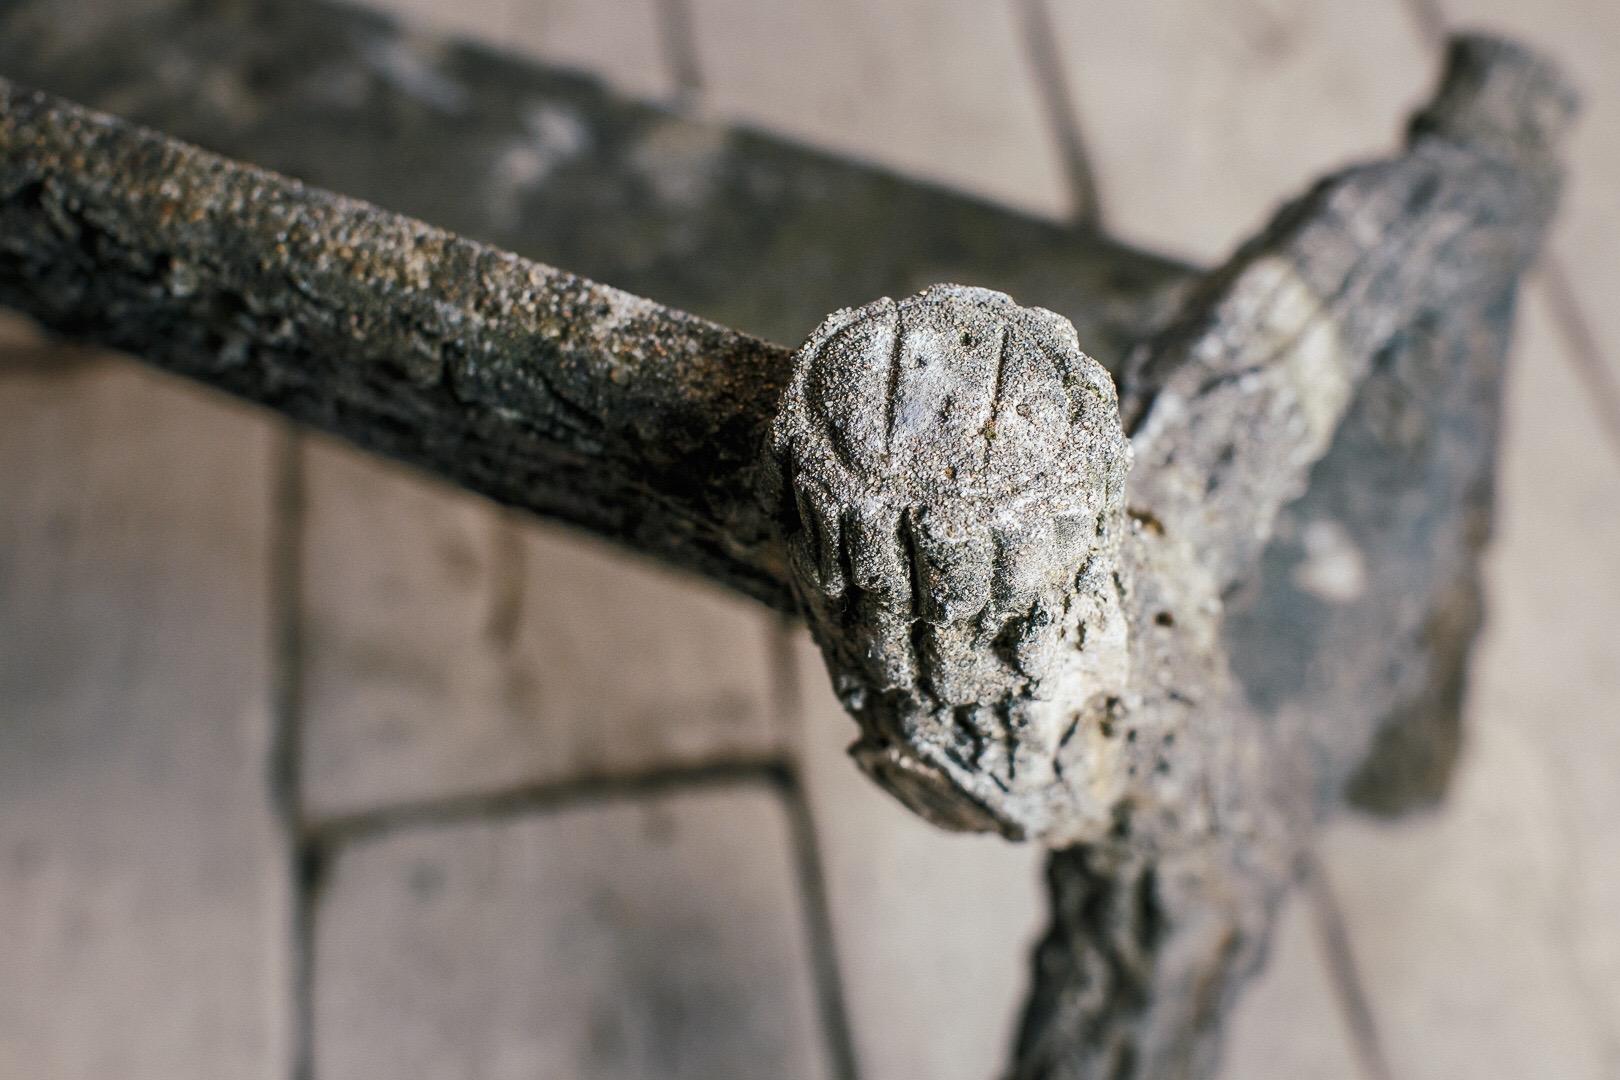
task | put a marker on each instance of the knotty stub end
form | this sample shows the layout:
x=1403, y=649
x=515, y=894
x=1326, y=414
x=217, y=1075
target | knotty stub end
x=949, y=472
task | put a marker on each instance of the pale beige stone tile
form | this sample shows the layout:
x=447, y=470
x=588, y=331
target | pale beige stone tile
x=1288, y=1022
x=938, y=89
x=1488, y=931
x=617, y=40
x=934, y=930
x=453, y=650
x=487, y=21
x=1201, y=117
x=144, y=881
x=660, y=938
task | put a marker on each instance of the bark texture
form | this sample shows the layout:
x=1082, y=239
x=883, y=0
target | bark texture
x=735, y=225
x=526, y=383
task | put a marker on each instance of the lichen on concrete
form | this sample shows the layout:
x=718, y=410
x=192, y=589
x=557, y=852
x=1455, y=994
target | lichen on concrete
x=950, y=473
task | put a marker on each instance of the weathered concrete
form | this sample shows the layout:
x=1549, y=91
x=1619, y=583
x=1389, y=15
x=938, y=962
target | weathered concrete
x=950, y=475
x=1156, y=924
x=1198, y=801
x=451, y=650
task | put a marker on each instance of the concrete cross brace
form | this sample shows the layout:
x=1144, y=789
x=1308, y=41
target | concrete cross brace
x=1024, y=585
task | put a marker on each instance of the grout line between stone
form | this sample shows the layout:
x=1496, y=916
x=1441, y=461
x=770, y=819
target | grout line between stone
x=677, y=34
x=1581, y=347
x=1063, y=120
x=508, y=590
x=337, y=830
x=1334, y=938
x=828, y=972
x=285, y=780
x=321, y=840
x=1428, y=20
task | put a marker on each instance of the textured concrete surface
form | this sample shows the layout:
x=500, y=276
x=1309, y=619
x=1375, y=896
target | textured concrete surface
x=1199, y=117
x=157, y=936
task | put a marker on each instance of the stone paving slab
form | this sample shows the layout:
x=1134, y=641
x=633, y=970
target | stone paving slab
x=453, y=650
x=659, y=938
x=933, y=929
x=936, y=89
x=618, y=40
x=15, y=331
x=1289, y=1023
x=144, y=881
x=1200, y=117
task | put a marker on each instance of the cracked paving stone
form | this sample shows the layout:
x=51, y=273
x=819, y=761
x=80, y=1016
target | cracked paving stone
x=659, y=938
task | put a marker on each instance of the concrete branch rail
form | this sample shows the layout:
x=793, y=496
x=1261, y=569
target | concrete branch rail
x=1024, y=580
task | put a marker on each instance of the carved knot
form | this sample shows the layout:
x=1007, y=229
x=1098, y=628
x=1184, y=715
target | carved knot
x=950, y=472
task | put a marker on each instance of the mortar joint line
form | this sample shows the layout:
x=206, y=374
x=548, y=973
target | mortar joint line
x=286, y=748
x=677, y=35
x=1583, y=352
x=1057, y=101
x=1333, y=936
